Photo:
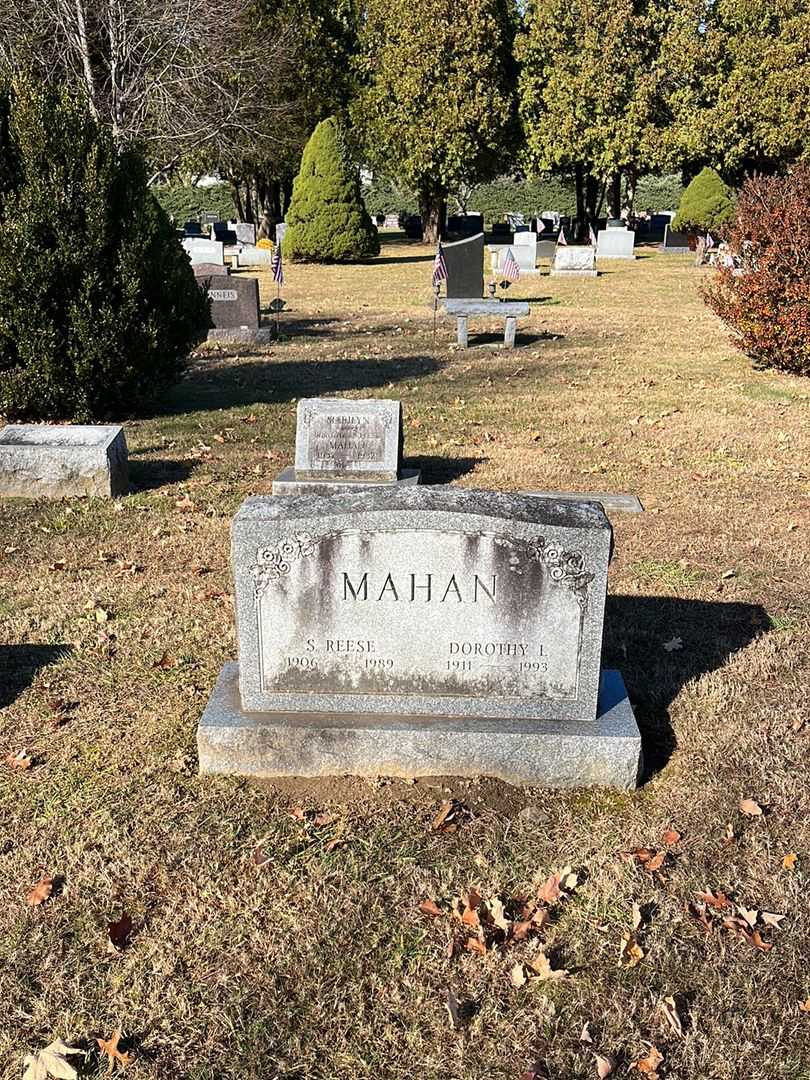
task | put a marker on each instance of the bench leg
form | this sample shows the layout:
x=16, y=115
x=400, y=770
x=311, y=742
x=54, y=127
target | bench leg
x=509, y=332
x=461, y=332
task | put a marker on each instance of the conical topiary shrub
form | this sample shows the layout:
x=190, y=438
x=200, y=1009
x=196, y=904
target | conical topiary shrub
x=326, y=219
x=98, y=302
x=707, y=205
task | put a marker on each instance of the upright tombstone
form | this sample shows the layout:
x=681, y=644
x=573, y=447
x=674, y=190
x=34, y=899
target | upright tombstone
x=235, y=309
x=63, y=461
x=210, y=270
x=574, y=260
x=245, y=231
x=250, y=255
x=675, y=243
x=281, y=228
x=221, y=231
x=345, y=445
x=204, y=251
x=524, y=249
x=616, y=242
x=418, y=632
x=192, y=228
x=391, y=221
x=465, y=268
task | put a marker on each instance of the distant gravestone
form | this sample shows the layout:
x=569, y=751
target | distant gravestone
x=204, y=270
x=281, y=229
x=209, y=219
x=342, y=443
x=221, y=231
x=391, y=221
x=546, y=248
x=192, y=228
x=250, y=255
x=675, y=243
x=245, y=231
x=524, y=249
x=63, y=461
x=616, y=242
x=574, y=260
x=234, y=302
x=465, y=224
x=417, y=632
x=465, y=268
x=204, y=251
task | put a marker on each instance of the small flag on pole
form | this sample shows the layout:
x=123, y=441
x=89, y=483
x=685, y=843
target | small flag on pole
x=277, y=268
x=709, y=241
x=540, y=225
x=592, y=235
x=439, y=266
x=511, y=270
x=561, y=238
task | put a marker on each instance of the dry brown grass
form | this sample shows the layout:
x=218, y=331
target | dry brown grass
x=317, y=964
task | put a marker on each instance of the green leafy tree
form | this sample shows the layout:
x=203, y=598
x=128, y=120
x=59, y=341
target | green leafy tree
x=98, y=303
x=738, y=84
x=326, y=220
x=591, y=92
x=437, y=105
x=707, y=205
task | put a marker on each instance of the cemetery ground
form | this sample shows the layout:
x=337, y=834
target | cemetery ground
x=311, y=929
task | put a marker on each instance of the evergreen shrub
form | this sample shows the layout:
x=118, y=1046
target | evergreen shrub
x=326, y=218
x=98, y=302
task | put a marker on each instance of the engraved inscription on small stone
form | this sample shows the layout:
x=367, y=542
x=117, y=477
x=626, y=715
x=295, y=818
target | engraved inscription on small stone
x=348, y=438
x=223, y=294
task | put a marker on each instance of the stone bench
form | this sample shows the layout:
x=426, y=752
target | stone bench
x=509, y=310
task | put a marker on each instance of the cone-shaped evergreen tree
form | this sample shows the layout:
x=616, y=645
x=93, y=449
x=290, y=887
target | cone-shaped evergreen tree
x=326, y=220
x=707, y=205
x=98, y=302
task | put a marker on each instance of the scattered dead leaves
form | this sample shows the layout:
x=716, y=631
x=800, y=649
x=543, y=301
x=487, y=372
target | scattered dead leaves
x=648, y=1066
x=450, y=816
x=652, y=860
x=671, y=837
x=630, y=952
x=52, y=1061
x=40, y=892
x=20, y=760
x=790, y=860
x=750, y=808
x=109, y=1047
x=718, y=912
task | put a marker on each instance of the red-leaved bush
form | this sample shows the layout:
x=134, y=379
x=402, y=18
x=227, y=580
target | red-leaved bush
x=766, y=300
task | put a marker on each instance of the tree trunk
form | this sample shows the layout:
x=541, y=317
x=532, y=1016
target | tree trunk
x=236, y=191
x=700, y=250
x=615, y=195
x=632, y=179
x=579, y=179
x=432, y=206
x=592, y=187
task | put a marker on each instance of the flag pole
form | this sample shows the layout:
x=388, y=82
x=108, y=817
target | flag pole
x=278, y=308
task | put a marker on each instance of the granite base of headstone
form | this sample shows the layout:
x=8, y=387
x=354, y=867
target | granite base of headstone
x=616, y=242
x=346, y=445
x=574, y=260
x=420, y=632
x=63, y=461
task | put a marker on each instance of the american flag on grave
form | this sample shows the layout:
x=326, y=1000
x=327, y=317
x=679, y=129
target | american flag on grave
x=561, y=238
x=276, y=267
x=439, y=267
x=511, y=270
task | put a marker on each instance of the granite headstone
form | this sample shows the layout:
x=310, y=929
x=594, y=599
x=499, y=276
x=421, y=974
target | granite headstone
x=465, y=268
x=63, y=461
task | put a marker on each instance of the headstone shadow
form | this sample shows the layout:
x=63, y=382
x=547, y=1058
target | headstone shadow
x=522, y=337
x=19, y=665
x=151, y=473
x=636, y=630
x=443, y=470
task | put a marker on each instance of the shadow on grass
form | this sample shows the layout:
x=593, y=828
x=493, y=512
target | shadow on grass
x=636, y=629
x=227, y=384
x=156, y=473
x=19, y=665
x=443, y=470
x=521, y=339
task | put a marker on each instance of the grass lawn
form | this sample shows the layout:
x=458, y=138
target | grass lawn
x=261, y=949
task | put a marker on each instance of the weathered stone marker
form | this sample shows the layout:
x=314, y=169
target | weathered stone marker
x=341, y=443
x=574, y=260
x=420, y=631
x=59, y=461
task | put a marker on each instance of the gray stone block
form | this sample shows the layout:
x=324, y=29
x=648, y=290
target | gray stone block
x=494, y=307
x=287, y=483
x=604, y=752
x=573, y=273
x=63, y=461
x=433, y=601
x=340, y=438
x=241, y=336
x=627, y=504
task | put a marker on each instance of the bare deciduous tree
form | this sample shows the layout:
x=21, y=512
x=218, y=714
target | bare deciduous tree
x=185, y=78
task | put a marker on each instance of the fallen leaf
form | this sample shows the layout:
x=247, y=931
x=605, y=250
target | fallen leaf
x=476, y=945
x=428, y=907
x=630, y=952
x=771, y=918
x=669, y=1010
x=101, y=615
x=40, y=892
x=498, y=915
x=119, y=931
x=550, y=891
x=186, y=504
x=52, y=1061
x=517, y=976
x=790, y=860
x=804, y=1006
x=453, y=1008
x=670, y=837
x=673, y=644
x=20, y=760
x=649, y=1065
x=716, y=900
x=750, y=808
x=60, y=564
x=110, y=1048
x=165, y=662
x=541, y=966
x=750, y=915
x=585, y=1035
x=604, y=1066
